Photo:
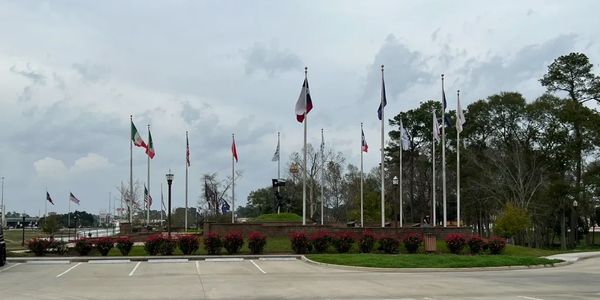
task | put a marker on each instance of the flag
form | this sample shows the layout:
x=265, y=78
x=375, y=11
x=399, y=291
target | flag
x=276, y=154
x=436, y=128
x=304, y=104
x=136, y=138
x=234, y=150
x=444, y=99
x=150, y=148
x=405, y=137
x=225, y=207
x=364, y=147
x=73, y=199
x=460, y=116
x=147, y=197
x=48, y=198
x=383, y=100
x=187, y=151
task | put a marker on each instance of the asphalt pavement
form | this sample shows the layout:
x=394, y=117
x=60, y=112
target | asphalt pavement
x=285, y=278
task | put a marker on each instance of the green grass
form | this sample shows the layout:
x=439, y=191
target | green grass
x=282, y=217
x=14, y=237
x=428, y=261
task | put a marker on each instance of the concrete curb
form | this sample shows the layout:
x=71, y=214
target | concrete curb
x=423, y=270
x=175, y=258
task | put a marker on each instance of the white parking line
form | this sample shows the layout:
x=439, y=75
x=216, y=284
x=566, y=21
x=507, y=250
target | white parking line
x=135, y=268
x=277, y=258
x=69, y=269
x=9, y=267
x=224, y=259
x=109, y=261
x=49, y=262
x=198, y=268
x=529, y=298
x=258, y=267
x=177, y=260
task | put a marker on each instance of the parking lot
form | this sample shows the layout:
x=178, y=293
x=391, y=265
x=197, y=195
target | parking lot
x=284, y=278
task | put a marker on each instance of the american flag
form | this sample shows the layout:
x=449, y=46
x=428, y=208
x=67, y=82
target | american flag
x=147, y=197
x=187, y=150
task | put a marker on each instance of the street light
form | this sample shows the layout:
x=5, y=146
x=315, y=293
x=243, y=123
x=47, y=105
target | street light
x=395, y=182
x=169, y=182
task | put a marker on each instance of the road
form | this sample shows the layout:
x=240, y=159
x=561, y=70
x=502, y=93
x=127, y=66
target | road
x=287, y=279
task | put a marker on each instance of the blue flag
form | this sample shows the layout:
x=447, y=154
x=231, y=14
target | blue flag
x=383, y=100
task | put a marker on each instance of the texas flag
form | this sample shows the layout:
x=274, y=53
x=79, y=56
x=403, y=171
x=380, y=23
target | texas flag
x=234, y=150
x=304, y=104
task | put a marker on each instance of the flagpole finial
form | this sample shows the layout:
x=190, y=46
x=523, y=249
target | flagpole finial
x=442, y=76
x=458, y=92
x=381, y=68
x=305, y=71
x=131, y=117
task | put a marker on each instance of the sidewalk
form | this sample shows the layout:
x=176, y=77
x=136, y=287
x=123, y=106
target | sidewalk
x=575, y=256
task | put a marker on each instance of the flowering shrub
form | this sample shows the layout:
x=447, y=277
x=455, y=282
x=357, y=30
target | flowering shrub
x=476, y=244
x=256, y=242
x=412, y=241
x=83, y=246
x=188, y=244
x=57, y=246
x=300, y=243
x=38, y=246
x=104, y=244
x=320, y=240
x=496, y=245
x=167, y=245
x=213, y=243
x=366, y=242
x=455, y=242
x=124, y=244
x=389, y=244
x=233, y=242
x=152, y=244
x=343, y=242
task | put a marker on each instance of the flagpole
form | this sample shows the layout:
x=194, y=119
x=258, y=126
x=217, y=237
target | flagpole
x=130, y=202
x=444, y=155
x=46, y=207
x=278, y=169
x=148, y=183
x=186, y=185
x=362, y=224
x=322, y=173
x=400, y=171
x=304, y=161
x=69, y=215
x=382, y=157
x=434, y=220
x=457, y=164
x=233, y=183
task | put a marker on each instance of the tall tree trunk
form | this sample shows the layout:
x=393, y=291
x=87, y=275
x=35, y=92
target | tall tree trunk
x=563, y=231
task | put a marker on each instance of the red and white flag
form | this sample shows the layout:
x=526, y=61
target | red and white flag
x=150, y=148
x=234, y=150
x=304, y=104
x=136, y=138
x=364, y=146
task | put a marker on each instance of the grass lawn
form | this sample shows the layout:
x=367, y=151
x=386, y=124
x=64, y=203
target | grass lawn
x=14, y=237
x=428, y=261
x=282, y=217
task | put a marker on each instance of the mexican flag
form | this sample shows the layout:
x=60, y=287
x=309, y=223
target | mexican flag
x=136, y=138
x=150, y=148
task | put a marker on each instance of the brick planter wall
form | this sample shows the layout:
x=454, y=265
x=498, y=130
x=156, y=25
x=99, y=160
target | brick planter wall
x=284, y=229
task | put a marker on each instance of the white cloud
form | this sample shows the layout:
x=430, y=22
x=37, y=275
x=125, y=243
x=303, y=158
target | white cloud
x=53, y=168
x=89, y=163
x=49, y=167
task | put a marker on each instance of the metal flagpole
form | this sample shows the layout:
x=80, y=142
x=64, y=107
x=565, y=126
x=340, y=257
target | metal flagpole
x=362, y=223
x=457, y=162
x=130, y=202
x=444, y=153
x=278, y=169
x=148, y=183
x=400, y=171
x=322, y=174
x=109, y=211
x=304, y=159
x=69, y=215
x=232, y=183
x=434, y=220
x=186, y=185
x=382, y=155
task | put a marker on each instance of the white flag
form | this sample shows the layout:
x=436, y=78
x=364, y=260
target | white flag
x=276, y=155
x=436, y=128
x=460, y=116
x=405, y=138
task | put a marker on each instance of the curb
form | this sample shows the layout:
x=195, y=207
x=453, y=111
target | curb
x=175, y=258
x=427, y=270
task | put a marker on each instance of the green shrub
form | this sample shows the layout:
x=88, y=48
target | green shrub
x=167, y=246
x=212, y=243
x=476, y=244
x=412, y=241
x=496, y=245
x=389, y=244
x=188, y=243
x=320, y=240
x=152, y=244
x=366, y=242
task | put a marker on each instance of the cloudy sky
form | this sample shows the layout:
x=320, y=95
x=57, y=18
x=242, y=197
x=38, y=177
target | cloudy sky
x=71, y=73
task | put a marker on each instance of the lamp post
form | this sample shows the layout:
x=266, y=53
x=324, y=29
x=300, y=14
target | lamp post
x=169, y=182
x=23, y=240
x=574, y=224
x=395, y=182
